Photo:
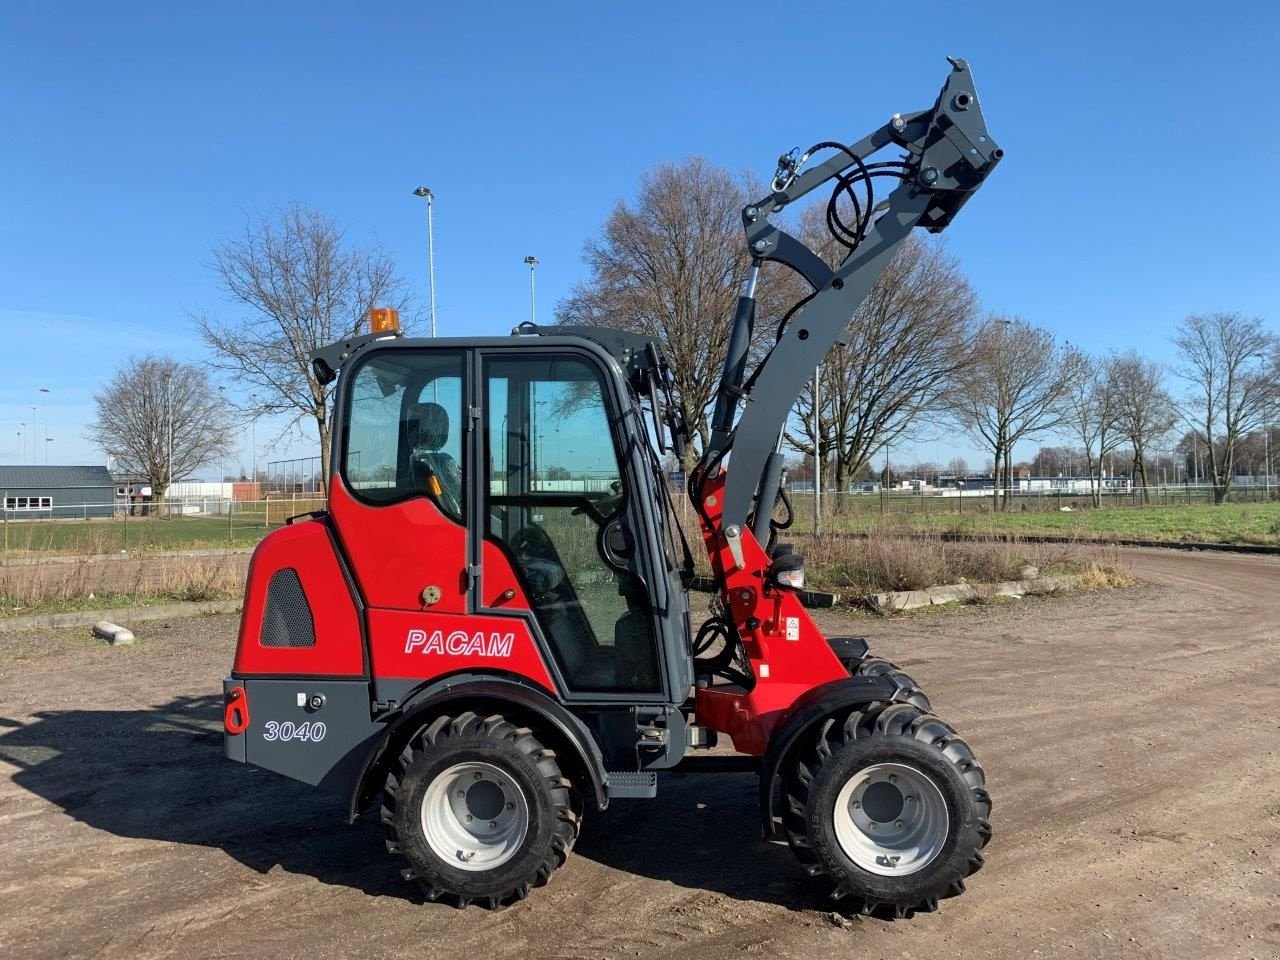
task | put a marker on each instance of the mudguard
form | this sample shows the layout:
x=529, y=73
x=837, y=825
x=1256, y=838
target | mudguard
x=480, y=692
x=821, y=701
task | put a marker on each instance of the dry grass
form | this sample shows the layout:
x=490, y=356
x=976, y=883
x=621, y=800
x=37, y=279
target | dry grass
x=852, y=566
x=27, y=588
x=883, y=561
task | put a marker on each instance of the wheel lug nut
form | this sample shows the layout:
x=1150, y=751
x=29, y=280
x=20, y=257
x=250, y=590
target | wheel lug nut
x=511, y=806
x=475, y=776
x=871, y=827
x=911, y=799
x=898, y=824
x=893, y=777
x=857, y=805
x=461, y=794
x=467, y=818
x=492, y=824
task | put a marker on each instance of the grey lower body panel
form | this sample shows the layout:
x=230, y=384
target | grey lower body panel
x=316, y=731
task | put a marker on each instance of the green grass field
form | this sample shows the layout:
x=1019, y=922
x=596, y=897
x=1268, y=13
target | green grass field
x=1245, y=523
x=246, y=527
x=1241, y=523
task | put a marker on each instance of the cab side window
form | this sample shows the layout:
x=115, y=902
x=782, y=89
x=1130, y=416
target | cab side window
x=405, y=429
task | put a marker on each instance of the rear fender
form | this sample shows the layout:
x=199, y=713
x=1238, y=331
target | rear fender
x=809, y=709
x=516, y=699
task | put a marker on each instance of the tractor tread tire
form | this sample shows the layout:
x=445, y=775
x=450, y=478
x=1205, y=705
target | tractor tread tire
x=448, y=733
x=887, y=722
x=908, y=690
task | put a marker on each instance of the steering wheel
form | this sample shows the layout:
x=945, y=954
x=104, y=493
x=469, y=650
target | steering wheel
x=533, y=540
x=602, y=510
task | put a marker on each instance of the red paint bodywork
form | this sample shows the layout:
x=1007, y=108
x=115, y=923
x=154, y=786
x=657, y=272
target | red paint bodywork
x=396, y=551
x=400, y=655
x=784, y=669
x=307, y=549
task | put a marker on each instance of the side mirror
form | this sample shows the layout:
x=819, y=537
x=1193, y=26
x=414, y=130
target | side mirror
x=786, y=572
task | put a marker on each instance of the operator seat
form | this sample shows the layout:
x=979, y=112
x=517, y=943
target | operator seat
x=426, y=431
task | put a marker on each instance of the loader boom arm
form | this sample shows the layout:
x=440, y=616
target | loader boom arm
x=948, y=153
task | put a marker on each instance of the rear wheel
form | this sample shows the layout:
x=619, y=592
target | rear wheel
x=888, y=805
x=480, y=810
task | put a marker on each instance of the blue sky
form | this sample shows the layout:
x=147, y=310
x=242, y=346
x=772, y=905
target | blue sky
x=139, y=134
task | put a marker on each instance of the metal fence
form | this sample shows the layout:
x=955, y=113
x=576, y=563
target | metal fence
x=984, y=499
x=209, y=522
x=177, y=523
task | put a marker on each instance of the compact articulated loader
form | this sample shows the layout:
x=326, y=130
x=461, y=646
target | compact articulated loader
x=489, y=627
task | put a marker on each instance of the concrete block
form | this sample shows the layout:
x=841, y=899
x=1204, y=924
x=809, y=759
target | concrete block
x=901, y=600
x=115, y=635
x=951, y=593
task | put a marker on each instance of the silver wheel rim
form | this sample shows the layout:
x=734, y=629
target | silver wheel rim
x=891, y=819
x=474, y=817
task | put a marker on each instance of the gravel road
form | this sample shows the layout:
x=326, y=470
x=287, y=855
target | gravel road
x=1131, y=740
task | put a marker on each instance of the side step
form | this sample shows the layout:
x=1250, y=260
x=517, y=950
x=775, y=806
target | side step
x=622, y=783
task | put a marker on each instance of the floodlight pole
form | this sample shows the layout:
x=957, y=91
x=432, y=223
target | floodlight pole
x=45, y=401
x=431, y=254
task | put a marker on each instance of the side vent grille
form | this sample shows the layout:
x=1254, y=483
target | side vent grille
x=287, y=622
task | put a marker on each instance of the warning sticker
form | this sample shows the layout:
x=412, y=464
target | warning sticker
x=793, y=628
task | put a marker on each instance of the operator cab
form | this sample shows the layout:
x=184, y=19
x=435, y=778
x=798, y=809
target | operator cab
x=537, y=462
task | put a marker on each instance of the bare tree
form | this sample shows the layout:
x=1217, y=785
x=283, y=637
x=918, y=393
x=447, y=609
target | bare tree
x=1227, y=361
x=1091, y=412
x=903, y=350
x=671, y=267
x=1013, y=389
x=1145, y=413
x=160, y=419
x=301, y=286
x=958, y=467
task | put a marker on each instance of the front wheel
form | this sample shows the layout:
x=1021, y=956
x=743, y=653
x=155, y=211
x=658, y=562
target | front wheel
x=479, y=809
x=889, y=805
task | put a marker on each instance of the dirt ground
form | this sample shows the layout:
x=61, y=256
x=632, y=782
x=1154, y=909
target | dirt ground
x=1131, y=741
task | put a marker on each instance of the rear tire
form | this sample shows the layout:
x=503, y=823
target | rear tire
x=480, y=810
x=890, y=806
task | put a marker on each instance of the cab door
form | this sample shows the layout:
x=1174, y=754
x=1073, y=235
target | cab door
x=563, y=506
x=398, y=496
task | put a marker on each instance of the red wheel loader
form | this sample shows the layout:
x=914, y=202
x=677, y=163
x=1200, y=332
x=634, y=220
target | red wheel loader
x=487, y=633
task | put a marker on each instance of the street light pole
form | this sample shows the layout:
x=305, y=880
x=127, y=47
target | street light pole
x=431, y=253
x=45, y=401
x=1266, y=451
x=533, y=289
x=168, y=406
x=817, y=453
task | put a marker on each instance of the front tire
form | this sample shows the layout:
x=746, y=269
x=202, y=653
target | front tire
x=890, y=806
x=480, y=810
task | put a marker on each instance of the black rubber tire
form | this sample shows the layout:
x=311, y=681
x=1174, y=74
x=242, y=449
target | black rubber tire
x=880, y=733
x=908, y=690
x=553, y=820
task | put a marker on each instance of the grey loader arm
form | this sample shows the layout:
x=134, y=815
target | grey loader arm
x=947, y=155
